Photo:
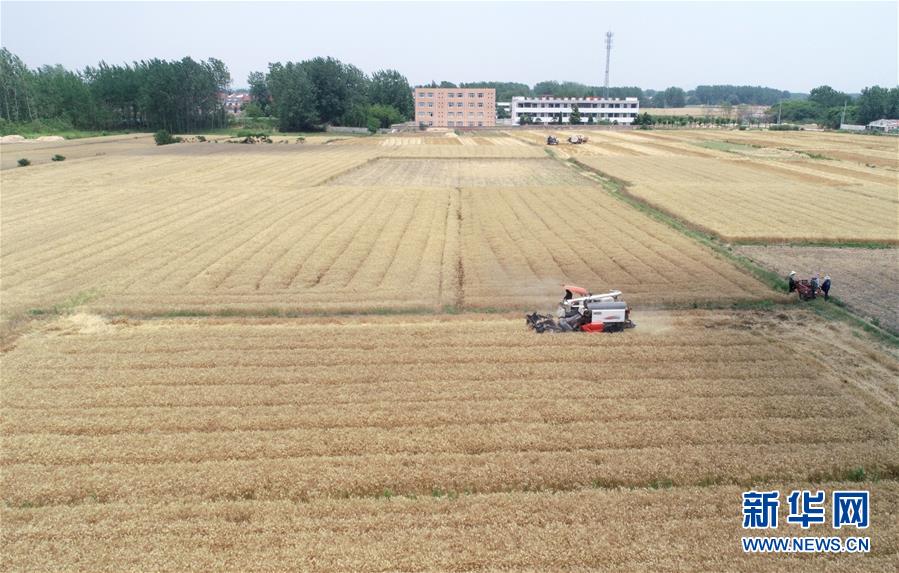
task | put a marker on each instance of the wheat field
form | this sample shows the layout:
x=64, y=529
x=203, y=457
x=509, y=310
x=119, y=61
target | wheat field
x=750, y=188
x=240, y=431
x=313, y=356
x=228, y=228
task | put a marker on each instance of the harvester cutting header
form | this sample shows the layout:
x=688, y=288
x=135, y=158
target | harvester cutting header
x=580, y=311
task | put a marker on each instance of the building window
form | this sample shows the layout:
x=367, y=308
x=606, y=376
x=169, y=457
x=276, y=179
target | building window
x=421, y=104
x=480, y=94
x=430, y=104
x=451, y=95
x=459, y=94
x=480, y=104
x=430, y=94
x=470, y=124
x=430, y=123
x=471, y=104
x=480, y=124
x=449, y=123
x=480, y=114
x=470, y=94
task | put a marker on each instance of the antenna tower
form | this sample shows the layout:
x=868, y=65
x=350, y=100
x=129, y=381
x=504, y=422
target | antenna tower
x=608, y=56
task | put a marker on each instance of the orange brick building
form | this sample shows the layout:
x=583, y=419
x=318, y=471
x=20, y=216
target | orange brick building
x=455, y=107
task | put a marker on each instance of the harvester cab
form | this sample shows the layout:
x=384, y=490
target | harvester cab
x=580, y=311
x=577, y=139
x=552, y=140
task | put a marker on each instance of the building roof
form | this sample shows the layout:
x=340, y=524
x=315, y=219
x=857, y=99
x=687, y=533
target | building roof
x=885, y=123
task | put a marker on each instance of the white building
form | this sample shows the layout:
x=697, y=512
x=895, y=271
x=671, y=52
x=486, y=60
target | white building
x=547, y=109
x=884, y=125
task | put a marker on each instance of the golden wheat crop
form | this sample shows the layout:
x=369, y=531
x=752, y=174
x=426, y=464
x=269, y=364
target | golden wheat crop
x=679, y=529
x=232, y=228
x=247, y=432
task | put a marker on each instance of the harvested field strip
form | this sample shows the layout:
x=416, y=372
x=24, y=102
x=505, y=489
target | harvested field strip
x=784, y=170
x=634, y=141
x=853, y=174
x=865, y=279
x=707, y=193
x=461, y=173
x=543, y=531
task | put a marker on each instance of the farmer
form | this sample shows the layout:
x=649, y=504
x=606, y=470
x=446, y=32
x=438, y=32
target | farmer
x=792, y=281
x=813, y=282
x=825, y=286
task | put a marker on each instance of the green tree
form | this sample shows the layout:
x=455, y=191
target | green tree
x=294, y=97
x=675, y=97
x=259, y=91
x=252, y=110
x=384, y=115
x=391, y=88
x=575, y=117
x=876, y=103
x=826, y=97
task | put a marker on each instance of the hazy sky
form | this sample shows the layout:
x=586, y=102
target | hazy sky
x=794, y=46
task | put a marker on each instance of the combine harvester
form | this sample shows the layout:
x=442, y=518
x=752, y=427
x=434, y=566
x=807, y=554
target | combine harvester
x=574, y=140
x=586, y=313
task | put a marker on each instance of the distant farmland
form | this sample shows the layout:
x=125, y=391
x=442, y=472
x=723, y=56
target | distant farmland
x=313, y=356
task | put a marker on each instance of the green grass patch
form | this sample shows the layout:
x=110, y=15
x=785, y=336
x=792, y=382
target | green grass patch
x=726, y=146
x=65, y=306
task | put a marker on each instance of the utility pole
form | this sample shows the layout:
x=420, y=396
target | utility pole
x=608, y=56
x=780, y=107
x=843, y=115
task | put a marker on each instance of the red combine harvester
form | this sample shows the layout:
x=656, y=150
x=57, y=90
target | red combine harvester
x=580, y=311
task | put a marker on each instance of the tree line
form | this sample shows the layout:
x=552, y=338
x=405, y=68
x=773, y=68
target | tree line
x=306, y=95
x=184, y=95
x=829, y=107
x=179, y=96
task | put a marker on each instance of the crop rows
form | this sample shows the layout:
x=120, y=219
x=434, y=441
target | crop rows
x=139, y=413
x=695, y=529
x=167, y=244
x=751, y=187
x=195, y=436
x=517, y=243
x=390, y=172
x=756, y=201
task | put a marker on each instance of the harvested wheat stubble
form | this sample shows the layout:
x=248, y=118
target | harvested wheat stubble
x=748, y=200
x=865, y=279
x=469, y=172
x=214, y=441
x=40, y=152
